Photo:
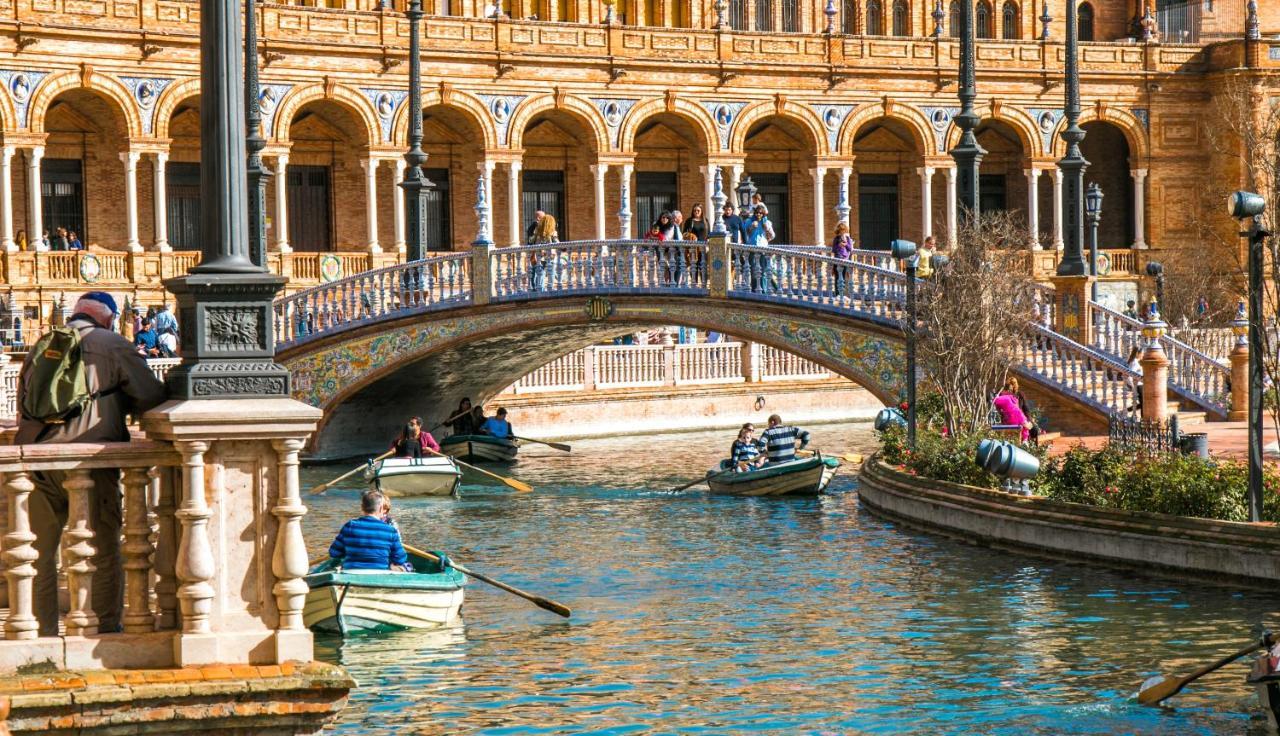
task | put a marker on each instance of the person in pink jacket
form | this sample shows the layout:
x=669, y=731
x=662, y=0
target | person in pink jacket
x=1011, y=411
x=414, y=440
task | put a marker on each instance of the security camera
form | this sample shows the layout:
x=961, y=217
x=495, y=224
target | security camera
x=1245, y=204
x=902, y=249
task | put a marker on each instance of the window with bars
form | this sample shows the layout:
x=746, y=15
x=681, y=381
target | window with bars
x=1009, y=17
x=901, y=18
x=738, y=15
x=849, y=16
x=764, y=15
x=790, y=16
x=875, y=18
x=955, y=19
x=1084, y=22
x=982, y=28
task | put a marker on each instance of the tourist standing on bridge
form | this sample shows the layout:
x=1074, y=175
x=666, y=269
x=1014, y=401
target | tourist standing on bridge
x=145, y=340
x=542, y=262
x=119, y=383
x=780, y=440
x=697, y=224
x=732, y=224
x=759, y=231
x=842, y=249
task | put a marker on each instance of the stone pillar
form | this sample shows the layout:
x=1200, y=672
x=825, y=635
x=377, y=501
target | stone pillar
x=282, y=203
x=1139, y=208
x=35, y=215
x=721, y=274
x=20, y=559
x=952, y=215
x=709, y=191
x=1155, y=378
x=6, y=206
x=481, y=274
x=1239, y=411
x=1072, y=317
x=669, y=366
x=751, y=362
x=626, y=231
x=1057, y=209
x=160, y=202
x=819, y=175
x=598, y=172
x=77, y=554
x=240, y=593
x=926, y=201
x=513, y=202
x=370, y=167
x=130, y=159
x=1033, y=206
x=398, y=208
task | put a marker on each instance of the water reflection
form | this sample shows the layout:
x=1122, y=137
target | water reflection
x=695, y=613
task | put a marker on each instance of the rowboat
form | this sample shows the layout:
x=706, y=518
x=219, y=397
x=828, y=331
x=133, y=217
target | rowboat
x=414, y=476
x=808, y=475
x=354, y=601
x=1267, y=684
x=479, y=448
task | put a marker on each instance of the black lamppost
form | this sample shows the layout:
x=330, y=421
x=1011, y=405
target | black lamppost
x=1155, y=269
x=1073, y=164
x=967, y=153
x=228, y=348
x=1250, y=206
x=254, y=142
x=905, y=251
x=1093, y=208
x=415, y=184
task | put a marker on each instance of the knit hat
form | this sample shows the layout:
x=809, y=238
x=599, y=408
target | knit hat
x=102, y=297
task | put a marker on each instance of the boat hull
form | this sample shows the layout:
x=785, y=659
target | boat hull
x=806, y=476
x=358, y=601
x=428, y=476
x=479, y=448
x=1267, y=685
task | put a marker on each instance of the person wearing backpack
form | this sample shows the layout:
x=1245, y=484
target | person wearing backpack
x=78, y=384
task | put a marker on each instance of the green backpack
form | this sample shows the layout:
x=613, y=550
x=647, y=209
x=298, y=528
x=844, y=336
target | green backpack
x=56, y=387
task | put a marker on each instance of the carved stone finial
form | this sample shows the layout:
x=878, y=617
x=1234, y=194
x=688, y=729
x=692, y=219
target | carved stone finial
x=1252, y=30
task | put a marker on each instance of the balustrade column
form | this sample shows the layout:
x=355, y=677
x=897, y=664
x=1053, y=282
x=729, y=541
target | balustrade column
x=952, y=215
x=1139, y=208
x=160, y=202
x=1057, y=209
x=195, y=643
x=35, y=213
x=819, y=174
x=289, y=558
x=166, y=545
x=281, y=222
x=6, y=206
x=598, y=171
x=513, y=202
x=130, y=159
x=19, y=559
x=926, y=201
x=370, y=167
x=78, y=552
x=1033, y=206
x=398, y=208
x=137, y=550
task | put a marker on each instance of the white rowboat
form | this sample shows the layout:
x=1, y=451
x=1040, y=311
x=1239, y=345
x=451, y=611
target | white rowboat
x=415, y=476
x=352, y=601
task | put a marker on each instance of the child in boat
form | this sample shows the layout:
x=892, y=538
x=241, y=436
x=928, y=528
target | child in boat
x=367, y=542
x=746, y=455
x=414, y=440
x=498, y=426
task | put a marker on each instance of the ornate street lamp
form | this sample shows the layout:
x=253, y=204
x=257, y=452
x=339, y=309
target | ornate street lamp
x=1093, y=208
x=1155, y=270
x=254, y=143
x=967, y=153
x=1250, y=206
x=905, y=252
x=1073, y=163
x=746, y=191
x=415, y=184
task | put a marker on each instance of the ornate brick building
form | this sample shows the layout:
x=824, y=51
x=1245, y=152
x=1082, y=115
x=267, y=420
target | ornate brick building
x=556, y=103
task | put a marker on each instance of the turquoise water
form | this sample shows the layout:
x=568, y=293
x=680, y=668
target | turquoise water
x=696, y=614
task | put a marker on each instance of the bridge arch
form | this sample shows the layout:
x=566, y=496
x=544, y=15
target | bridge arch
x=425, y=364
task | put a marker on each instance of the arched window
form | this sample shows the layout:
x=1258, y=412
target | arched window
x=955, y=18
x=901, y=18
x=849, y=16
x=983, y=23
x=764, y=15
x=1009, y=16
x=738, y=15
x=875, y=18
x=1084, y=22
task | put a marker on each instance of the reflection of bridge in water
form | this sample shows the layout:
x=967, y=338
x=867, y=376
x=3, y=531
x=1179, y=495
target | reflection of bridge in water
x=416, y=338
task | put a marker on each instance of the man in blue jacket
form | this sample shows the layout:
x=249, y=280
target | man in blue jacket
x=368, y=542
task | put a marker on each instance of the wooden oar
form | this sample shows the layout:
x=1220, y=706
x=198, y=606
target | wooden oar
x=705, y=478
x=510, y=482
x=349, y=473
x=1159, y=688
x=550, y=605
x=557, y=445
x=848, y=458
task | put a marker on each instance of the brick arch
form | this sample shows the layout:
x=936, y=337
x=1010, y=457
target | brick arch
x=1023, y=126
x=696, y=115
x=469, y=105
x=581, y=109
x=347, y=97
x=1135, y=133
x=783, y=108
x=174, y=95
x=103, y=85
x=912, y=118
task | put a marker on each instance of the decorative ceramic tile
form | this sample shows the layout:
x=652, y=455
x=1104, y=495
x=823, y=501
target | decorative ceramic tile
x=20, y=84
x=385, y=103
x=145, y=91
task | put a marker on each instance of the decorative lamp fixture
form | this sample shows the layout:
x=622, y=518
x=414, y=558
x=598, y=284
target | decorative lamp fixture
x=1240, y=325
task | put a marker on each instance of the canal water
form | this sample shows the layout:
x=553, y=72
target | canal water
x=713, y=615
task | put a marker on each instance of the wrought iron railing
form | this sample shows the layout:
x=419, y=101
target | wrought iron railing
x=1134, y=434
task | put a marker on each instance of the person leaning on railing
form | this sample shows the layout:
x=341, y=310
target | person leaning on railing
x=119, y=383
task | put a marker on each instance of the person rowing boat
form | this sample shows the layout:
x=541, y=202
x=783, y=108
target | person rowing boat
x=464, y=420
x=414, y=440
x=779, y=441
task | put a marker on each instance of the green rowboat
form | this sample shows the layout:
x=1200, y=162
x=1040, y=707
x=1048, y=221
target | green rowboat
x=357, y=601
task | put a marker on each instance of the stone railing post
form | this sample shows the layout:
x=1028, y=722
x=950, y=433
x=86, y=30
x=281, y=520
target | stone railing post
x=481, y=273
x=1239, y=356
x=20, y=559
x=720, y=275
x=1155, y=370
x=289, y=558
x=670, y=365
x=1072, y=317
x=77, y=553
x=751, y=359
x=589, y=368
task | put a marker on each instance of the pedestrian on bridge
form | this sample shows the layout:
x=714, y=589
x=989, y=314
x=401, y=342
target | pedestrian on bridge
x=841, y=248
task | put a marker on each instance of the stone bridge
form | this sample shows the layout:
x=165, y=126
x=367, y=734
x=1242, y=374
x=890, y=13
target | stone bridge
x=413, y=339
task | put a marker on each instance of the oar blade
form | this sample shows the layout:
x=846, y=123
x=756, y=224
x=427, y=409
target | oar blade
x=1159, y=688
x=517, y=485
x=560, y=446
x=552, y=606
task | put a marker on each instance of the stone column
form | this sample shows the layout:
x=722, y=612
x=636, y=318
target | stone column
x=282, y=203
x=1033, y=206
x=35, y=212
x=1155, y=382
x=6, y=192
x=77, y=553
x=513, y=202
x=130, y=159
x=160, y=202
x=1139, y=208
x=751, y=362
x=1057, y=209
x=926, y=201
x=20, y=559
x=289, y=557
x=627, y=232
x=842, y=207
x=1072, y=317
x=598, y=172
x=370, y=167
x=195, y=644
x=819, y=174
x=398, y=208
x=952, y=215
x=669, y=365
x=709, y=191
x=485, y=168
